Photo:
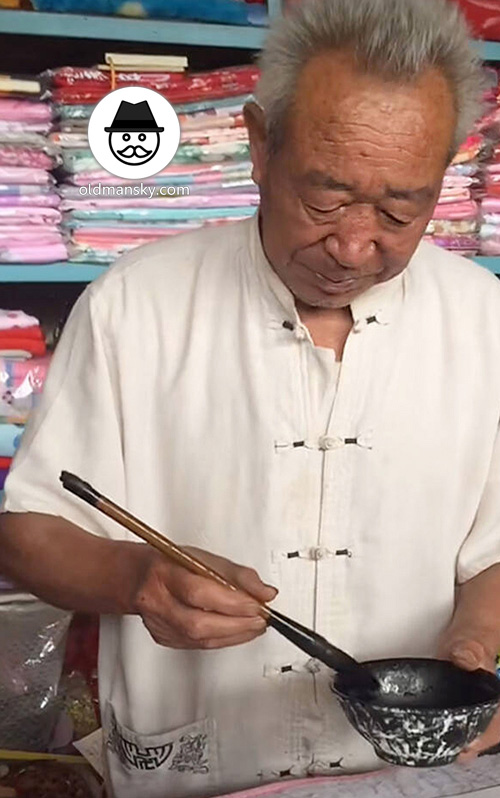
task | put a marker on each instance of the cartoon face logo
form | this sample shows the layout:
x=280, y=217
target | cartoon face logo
x=134, y=136
x=133, y=133
x=133, y=148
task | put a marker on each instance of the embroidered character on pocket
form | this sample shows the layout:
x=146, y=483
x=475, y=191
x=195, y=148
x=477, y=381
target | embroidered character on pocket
x=131, y=755
x=192, y=754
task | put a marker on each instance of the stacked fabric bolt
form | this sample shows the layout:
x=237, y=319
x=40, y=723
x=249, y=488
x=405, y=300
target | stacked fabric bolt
x=456, y=220
x=29, y=216
x=490, y=205
x=23, y=367
x=208, y=181
x=454, y=224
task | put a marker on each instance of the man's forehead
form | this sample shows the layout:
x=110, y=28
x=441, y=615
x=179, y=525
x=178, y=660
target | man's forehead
x=338, y=102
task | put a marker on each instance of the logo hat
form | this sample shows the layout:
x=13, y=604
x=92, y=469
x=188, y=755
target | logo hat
x=134, y=118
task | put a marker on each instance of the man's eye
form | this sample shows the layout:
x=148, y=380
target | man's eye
x=315, y=209
x=394, y=220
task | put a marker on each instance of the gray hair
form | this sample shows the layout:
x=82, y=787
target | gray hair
x=396, y=39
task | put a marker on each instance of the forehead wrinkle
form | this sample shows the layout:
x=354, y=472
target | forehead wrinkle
x=364, y=151
x=365, y=134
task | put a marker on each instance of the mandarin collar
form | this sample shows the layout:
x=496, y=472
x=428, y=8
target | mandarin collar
x=379, y=303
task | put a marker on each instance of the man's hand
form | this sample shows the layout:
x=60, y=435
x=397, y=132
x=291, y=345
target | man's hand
x=183, y=610
x=468, y=653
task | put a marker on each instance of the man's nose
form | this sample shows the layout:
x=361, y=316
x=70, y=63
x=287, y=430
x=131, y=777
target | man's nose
x=353, y=241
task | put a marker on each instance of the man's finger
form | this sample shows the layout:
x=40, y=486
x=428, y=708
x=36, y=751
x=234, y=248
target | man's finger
x=239, y=575
x=229, y=642
x=201, y=593
x=197, y=626
x=487, y=740
x=249, y=580
x=469, y=655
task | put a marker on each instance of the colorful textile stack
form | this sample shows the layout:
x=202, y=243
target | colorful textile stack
x=456, y=220
x=20, y=335
x=29, y=216
x=454, y=224
x=490, y=205
x=208, y=181
x=23, y=368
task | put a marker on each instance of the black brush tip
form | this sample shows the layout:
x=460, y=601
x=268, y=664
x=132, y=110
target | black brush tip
x=80, y=488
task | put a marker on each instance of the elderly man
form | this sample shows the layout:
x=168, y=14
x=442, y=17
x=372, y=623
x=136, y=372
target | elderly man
x=312, y=393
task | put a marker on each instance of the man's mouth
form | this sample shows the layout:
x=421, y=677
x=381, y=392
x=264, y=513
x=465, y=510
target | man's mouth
x=333, y=285
x=337, y=286
x=134, y=152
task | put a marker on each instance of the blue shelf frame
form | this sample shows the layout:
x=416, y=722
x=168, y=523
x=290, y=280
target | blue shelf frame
x=87, y=272
x=489, y=51
x=83, y=26
x=79, y=26
x=51, y=273
x=493, y=264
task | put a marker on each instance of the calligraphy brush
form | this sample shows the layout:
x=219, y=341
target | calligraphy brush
x=306, y=639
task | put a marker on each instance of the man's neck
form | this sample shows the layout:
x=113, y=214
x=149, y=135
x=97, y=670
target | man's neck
x=329, y=328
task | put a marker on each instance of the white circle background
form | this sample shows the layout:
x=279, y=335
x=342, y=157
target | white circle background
x=103, y=115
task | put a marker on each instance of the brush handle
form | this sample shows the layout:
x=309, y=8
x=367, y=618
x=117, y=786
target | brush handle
x=161, y=543
x=306, y=639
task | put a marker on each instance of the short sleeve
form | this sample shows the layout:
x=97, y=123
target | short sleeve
x=76, y=427
x=481, y=548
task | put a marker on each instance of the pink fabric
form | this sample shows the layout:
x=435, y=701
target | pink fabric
x=456, y=210
x=10, y=319
x=109, y=237
x=24, y=111
x=29, y=215
x=25, y=127
x=214, y=136
x=198, y=201
x=31, y=200
x=41, y=238
x=454, y=195
x=28, y=232
x=204, y=120
x=35, y=254
x=490, y=247
x=202, y=171
x=282, y=787
x=452, y=181
x=491, y=205
x=21, y=174
x=24, y=156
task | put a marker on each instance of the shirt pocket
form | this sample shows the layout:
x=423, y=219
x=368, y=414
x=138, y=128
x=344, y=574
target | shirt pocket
x=181, y=762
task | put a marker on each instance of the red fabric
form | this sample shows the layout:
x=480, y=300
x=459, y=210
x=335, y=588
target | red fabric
x=5, y=462
x=87, y=87
x=483, y=17
x=25, y=344
x=33, y=333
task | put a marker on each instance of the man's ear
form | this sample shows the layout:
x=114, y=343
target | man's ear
x=256, y=124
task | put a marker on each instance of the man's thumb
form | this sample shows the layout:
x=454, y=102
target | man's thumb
x=468, y=656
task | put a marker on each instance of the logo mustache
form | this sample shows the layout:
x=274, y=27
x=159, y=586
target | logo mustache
x=130, y=151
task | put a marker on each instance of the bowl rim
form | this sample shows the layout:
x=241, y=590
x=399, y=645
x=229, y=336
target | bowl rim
x=423, y=710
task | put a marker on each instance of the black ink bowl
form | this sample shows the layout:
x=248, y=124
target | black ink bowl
x=424, y=712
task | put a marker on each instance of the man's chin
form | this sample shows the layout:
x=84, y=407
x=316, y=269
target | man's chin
x=320, y=300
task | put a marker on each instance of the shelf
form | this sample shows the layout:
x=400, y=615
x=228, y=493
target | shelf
x=82, y=26
x=489, y=51
x=86, y=272
x=78, y=26
x=51, y=273
x=493, y=264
